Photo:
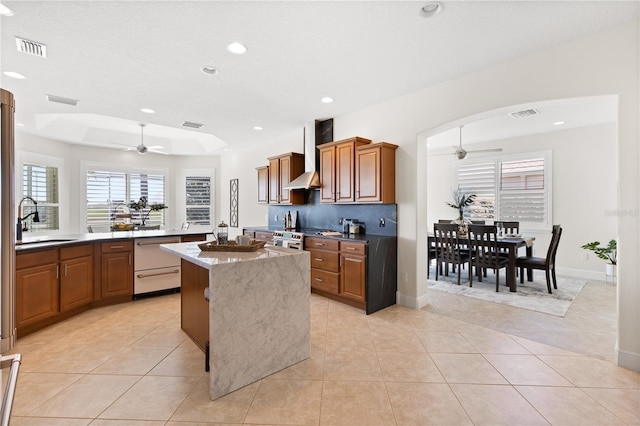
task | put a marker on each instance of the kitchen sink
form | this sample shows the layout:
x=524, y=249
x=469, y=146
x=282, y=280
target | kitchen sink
x=45, y=240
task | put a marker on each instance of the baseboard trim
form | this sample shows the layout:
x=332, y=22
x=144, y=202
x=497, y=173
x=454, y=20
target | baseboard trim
x=629, y=360
x=581, y=273
x=411, y=302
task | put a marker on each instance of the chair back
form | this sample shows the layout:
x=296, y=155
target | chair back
x=447, y=242
x=553, y=246
x=509, y=227
x=479, y=222
x=484, y=243
x=444, y=220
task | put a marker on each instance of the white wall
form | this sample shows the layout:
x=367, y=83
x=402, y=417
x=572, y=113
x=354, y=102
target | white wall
x=605, y=63
x=584, y=168
x=71, y=193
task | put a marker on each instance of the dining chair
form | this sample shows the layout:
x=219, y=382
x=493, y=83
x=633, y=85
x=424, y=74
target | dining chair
x=448, y=250
x=485, y=253
x=548, y=263
x=509, y=227
x=478, y=222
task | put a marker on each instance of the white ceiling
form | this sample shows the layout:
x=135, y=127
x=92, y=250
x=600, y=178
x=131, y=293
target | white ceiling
x=119, y=57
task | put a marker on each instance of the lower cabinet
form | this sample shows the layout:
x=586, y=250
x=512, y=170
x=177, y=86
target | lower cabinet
x=194, y=309
x=76, y=277
x=36, y=294
x=338, y=269
x=116, y=272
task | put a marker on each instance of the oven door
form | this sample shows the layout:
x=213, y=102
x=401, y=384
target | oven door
x=296, y=245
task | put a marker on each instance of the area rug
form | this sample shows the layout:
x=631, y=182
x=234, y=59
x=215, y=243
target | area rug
x=530, y=295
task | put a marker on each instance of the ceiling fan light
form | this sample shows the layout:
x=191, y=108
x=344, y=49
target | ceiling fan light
x=142, y=149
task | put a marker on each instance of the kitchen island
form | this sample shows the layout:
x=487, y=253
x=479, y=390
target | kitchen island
x=258, y=310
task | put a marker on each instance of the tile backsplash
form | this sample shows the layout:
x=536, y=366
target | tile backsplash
x=316, y=215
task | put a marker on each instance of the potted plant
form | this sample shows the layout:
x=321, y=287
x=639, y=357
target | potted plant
x=461, y=199
x=608, y=253
x=145, y=209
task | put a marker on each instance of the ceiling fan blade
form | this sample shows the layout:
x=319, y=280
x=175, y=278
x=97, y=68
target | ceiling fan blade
x=485, y=150
x=155, y=151
x=155, y=147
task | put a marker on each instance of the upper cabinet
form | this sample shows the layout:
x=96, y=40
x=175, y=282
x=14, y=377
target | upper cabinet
x=337, y=170
x=355, y=170
x=263, y=184
x=282, y=170
x=375, y=176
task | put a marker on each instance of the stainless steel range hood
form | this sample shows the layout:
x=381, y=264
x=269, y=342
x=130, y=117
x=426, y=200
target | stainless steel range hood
x=310, y=178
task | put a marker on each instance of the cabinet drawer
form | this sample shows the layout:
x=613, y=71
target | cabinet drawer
x=325, y=260
x=76, y=251
x=323, y=280
x=264, y=236
x=149, y=255
x=116, y=246
x=354, y=248
x=157, y=279
x=192, y=238
x=311, y=243
x=35, y=258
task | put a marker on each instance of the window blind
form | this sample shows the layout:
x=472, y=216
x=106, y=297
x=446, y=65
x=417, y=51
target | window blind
x=522, y=190
x=152, y=187
x=198, y=202
x=41, y=183
x=479, y=179
x=105, y=192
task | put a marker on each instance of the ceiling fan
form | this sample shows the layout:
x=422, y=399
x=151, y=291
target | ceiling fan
x=142, y=148
x=460, y=153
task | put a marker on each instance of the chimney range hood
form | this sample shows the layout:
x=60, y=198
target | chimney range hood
x=310, y=178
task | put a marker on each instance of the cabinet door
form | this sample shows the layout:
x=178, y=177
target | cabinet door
x=368, y=177
x=345, y=173
x=285, y=178
x=263, y=185
x=274, y=181
x=117, y=274
x=327, y=175
x=76, y=283
x=36, y=294
x=352, y=276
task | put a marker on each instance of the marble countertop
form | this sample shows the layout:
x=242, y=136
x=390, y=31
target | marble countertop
x=313, y=232
x=50, y=241
x=208, y=259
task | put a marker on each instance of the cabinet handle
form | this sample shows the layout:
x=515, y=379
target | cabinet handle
x=116, y=247
x=319, y=280
x=350, y=248
x=57, y=272
x=66, y=265
x=157, y=244
x=175, y=271
x=319, y=244
x=129, y=258
x=317, y=259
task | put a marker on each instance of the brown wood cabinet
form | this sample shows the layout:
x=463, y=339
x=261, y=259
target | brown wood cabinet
x=282, y=170
x=194, y=308
x=375, y=172
x=76, y=276
x=37, y=292
x=263, y=184
x=337, y=170
x=193, y=238
x=338, y=269
x=116, y=269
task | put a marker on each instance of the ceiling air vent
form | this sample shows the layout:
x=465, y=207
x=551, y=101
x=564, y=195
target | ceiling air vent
x=192, y=124
x=61, y=100
x=31, y=47
x=524, y=113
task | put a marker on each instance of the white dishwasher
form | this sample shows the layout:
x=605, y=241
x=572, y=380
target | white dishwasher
x=155, y=269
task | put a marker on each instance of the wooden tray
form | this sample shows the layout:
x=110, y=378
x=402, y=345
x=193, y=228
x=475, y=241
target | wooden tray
x=231, y=246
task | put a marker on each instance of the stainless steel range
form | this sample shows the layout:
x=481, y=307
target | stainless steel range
x=290, y=239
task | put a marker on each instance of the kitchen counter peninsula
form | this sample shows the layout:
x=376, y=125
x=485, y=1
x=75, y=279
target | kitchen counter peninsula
x=257, y=319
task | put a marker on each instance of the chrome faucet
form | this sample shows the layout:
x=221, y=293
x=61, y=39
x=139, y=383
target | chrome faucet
x=19, y=226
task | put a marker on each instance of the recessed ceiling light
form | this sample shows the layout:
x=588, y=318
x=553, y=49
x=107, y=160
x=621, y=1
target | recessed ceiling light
x=257, y=128
x=148, y=110
x=558, y=123
x=210, y=70
x=5, y=11
x=326, y=100
x=14, y=74
x=237, y=48
x=62, y=100
x=431, y=9
x=20, y=124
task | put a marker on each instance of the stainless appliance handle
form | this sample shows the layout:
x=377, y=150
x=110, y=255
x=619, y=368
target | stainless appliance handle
x=175, y=271
x=157, y=243
x=10, y=390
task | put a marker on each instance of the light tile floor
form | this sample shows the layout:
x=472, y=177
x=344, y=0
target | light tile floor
x=458, y=361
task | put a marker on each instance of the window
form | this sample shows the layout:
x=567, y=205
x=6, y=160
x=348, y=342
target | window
x=40, y=182
x=516, y=188
x=198, y=202
x=109, y=193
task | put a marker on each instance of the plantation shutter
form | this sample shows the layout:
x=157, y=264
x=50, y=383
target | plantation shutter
x=198, y=202
x=152, y=187
x=41, y=184
x=479, y=179
x=105, y=190
x=522, y=191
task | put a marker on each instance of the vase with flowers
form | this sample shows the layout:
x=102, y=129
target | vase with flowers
x=461, y=200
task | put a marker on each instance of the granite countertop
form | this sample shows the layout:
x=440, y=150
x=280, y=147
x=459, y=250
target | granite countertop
x=50, y=241
x=313, y=232
x=208, y=259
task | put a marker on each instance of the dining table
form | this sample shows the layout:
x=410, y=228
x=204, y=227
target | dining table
x=511, y=243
